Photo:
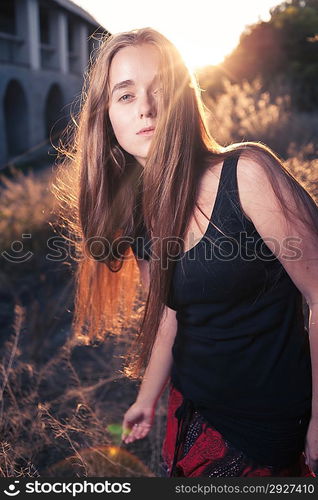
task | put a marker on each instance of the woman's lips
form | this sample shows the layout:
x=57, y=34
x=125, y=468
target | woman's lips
x=146, y=132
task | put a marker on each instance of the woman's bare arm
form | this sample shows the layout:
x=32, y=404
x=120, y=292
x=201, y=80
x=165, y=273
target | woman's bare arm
x=158, y=370
x=139, y=417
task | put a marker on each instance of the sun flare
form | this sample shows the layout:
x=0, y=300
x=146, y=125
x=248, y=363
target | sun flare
x=204, y=32
x=195, y=57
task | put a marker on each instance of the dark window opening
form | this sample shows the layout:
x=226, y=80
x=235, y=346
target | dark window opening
x=45, y=25
x=7, y=17
x=71, y=35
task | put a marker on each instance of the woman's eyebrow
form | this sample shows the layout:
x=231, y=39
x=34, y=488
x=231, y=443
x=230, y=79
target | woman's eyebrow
x=124, y=83
x=128, y=83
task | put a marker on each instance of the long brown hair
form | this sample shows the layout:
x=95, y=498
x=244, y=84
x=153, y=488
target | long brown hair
x=105, y=195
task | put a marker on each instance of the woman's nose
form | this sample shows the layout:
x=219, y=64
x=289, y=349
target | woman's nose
x=148, y=106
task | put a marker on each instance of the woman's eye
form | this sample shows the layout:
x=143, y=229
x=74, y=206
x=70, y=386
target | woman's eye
x=125, y=95
x=122, y=98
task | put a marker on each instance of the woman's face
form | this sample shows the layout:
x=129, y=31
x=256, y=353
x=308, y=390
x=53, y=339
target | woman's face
x=133, y=99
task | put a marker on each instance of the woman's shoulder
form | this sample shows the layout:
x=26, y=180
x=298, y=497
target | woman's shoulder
x=257, y=169
x=254, y=184
x=248, y=169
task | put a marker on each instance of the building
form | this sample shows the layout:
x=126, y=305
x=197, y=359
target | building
x=45, y=47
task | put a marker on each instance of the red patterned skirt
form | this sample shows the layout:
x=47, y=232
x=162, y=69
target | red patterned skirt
x=203, y=452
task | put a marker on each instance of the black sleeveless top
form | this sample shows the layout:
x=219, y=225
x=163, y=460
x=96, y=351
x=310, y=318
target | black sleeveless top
x=241, y=355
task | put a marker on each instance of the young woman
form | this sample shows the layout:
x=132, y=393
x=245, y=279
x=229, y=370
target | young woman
x=233, y=248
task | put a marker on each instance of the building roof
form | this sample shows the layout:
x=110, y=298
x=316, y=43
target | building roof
x=79, y=11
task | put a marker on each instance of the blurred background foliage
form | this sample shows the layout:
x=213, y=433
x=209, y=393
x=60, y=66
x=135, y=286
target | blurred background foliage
x=283, y=49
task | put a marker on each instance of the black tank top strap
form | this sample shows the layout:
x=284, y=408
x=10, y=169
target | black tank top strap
x=228, y=209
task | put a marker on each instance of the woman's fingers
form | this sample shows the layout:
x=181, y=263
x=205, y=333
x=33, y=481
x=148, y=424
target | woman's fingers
x=129, y=434
x=138, y=431
x=135, y=432
x=142, y=430
x=126, y=431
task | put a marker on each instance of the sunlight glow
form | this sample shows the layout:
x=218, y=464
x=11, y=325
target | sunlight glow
x=198, y=55
x=204, y=32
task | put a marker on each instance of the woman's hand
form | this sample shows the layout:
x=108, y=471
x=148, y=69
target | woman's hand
x=311, y=446
x=137, y=422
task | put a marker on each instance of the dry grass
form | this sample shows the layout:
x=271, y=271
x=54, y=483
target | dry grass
x=246, y=112
x=59, y=399
x=70, y=406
